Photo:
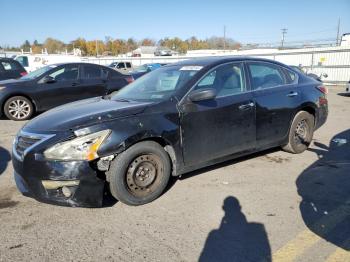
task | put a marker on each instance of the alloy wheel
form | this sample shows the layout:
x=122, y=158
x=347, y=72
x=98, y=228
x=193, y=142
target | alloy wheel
x=19, y=109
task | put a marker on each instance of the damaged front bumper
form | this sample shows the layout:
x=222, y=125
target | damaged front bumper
x=65, y=183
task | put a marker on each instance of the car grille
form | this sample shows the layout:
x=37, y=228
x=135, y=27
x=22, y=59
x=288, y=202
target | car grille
x=24, y=141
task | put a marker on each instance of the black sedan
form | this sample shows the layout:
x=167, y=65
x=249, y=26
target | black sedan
x=176, y=119
x=57, y=84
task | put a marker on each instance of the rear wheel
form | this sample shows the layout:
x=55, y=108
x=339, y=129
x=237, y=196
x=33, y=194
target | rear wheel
x=18, y=108
x=140, y=174
x=300, y=133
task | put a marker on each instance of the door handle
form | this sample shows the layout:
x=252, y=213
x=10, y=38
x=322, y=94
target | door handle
x=246, y=106
x=291, y=94
x=75, y=84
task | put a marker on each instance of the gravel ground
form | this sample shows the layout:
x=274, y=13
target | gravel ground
x=271, y=205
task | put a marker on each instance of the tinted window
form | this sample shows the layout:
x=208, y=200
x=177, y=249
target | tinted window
x=265, y=75
x=121, y=65
x=66, y=73
x=92, y=72
x=23, y=60
x=227, y=79
x=292, y=77
x=128, y=65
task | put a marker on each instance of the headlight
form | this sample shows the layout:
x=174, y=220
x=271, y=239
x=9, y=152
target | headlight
x=2, y=87
x=80, y=148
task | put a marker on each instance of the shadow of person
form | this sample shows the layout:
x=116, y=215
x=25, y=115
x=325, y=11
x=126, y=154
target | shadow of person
x=325, y=190
x=236, y=239
x=5, y=158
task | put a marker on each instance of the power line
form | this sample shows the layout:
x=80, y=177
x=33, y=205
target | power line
x=338, y=31
x=284, y=32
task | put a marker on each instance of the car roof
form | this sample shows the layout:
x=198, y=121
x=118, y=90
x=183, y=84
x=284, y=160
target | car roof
x=7, y=59
x=77, y=63
x=210, y=61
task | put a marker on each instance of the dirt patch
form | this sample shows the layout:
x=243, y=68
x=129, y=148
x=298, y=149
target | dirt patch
x=6, y=198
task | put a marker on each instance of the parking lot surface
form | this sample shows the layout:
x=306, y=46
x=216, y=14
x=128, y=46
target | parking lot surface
x=268, y=206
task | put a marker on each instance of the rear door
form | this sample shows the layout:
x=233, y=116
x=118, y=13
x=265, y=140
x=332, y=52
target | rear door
x=93, y=81
x=221, y=126
x=276, y=96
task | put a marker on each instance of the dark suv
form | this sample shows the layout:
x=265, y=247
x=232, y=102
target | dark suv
x=176, y=119
x=11, y=69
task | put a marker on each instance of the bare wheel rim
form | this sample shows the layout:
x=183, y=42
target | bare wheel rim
x=144, y=174
x=19, y=109
x=301, y=132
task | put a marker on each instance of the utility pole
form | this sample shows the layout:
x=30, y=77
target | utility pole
x=338, y=31
x=96, y=49
x=284, y=32
x=224, y=37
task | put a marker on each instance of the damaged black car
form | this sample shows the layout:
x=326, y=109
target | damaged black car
x=176, y=119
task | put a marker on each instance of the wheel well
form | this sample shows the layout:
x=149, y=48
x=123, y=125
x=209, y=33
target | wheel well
x=310, y=110
x=13, y=95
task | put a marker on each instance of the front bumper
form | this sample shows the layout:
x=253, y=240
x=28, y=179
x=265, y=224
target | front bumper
x=33, y=169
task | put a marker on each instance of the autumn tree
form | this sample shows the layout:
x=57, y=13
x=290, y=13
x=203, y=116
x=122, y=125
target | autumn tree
x=147, y=42
x=53, y=45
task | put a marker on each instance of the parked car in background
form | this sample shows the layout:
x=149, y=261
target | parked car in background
x=123, y=67
x=163, y=52
x=318, y=77
x=347, y=88
x=57, y=84
x=11, y=69
x=176, y=119
x=144, y=69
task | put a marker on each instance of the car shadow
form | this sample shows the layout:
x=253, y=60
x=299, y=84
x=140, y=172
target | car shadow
x=325, y=190
x=236, y=239
x=5, y=158
x=344, y=94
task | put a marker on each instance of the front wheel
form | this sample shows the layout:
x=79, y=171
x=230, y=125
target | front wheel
x=18, y=108
x=140, y=174
x=300, y=133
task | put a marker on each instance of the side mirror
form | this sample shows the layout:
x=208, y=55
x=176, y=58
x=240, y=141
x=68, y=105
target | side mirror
x=325, y=75
x=202, y=94
x=49, y=80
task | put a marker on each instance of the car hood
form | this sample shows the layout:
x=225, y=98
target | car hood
x=84, y=113
x=13, y=82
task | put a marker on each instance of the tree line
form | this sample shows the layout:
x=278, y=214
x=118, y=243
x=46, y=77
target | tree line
x=111, y=46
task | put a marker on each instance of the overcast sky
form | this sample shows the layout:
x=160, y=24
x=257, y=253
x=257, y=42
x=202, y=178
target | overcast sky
x=246, y=21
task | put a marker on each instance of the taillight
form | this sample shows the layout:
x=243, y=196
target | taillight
x=129, y=79
x=23, y=73
x=323, y=89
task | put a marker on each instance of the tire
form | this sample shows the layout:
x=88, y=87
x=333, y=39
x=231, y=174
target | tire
x=140, y=174
x=300, y=133
x=18, y=108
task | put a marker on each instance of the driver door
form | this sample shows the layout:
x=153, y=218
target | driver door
x=221, y=126
x=62, y=87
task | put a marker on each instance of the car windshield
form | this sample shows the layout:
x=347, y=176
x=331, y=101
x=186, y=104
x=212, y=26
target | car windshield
x=38, y=72
x=158, y=85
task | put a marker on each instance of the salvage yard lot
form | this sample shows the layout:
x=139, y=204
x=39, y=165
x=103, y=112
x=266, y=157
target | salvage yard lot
x=271, y=205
